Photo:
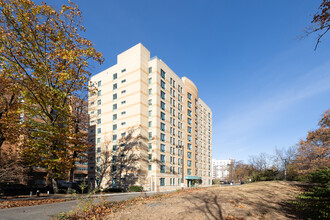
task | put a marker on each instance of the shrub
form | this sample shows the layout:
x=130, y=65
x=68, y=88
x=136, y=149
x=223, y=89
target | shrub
x=135, y=188
x=315, y=202
x=113, y=190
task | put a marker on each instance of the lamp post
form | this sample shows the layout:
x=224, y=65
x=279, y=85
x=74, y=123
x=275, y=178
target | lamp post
x=182, y=162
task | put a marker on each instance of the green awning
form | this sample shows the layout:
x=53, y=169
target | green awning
x=192, y=177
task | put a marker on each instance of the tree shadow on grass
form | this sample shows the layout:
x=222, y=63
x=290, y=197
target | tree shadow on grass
x=208, y=204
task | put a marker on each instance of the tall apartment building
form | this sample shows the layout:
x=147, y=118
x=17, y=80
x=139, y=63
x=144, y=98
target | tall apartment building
x=143, y=97
x=221, y=169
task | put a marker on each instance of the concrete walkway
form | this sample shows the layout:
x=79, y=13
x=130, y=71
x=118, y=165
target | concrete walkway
x=47, y=211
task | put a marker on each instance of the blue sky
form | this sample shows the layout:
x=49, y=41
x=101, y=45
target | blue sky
x=265, y=86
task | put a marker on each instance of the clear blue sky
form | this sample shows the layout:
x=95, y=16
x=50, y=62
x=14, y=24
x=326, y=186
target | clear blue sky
x=266, y=87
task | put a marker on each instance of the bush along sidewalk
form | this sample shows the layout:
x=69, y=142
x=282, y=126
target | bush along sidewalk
x=315, y=203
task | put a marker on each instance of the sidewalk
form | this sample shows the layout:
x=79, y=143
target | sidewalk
x=64, y=196
x=47, y=211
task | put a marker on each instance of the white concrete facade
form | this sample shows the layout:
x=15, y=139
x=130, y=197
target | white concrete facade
x=221, y=169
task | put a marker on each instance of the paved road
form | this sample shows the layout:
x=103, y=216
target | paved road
x=47, y=211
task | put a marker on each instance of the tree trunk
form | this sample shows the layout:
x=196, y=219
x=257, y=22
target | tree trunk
x=71, y=179
x=54, y=184
x=72, y=172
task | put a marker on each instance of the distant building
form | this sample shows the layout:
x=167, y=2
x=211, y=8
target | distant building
x=221, y=168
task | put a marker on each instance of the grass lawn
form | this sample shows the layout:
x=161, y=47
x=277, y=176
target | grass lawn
x=262, y=200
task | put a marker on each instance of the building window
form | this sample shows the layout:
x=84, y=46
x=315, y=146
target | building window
x=99, y=121
x=114, y=148
x=114, y=137
x=99, y=83
x=162, y=126
x=162, y=84
x=162, y=137
x=162, y=105
x=114, y=86
x=150, y=92
x=99, y=142
x=149, y=167
x=162, y=73
x=189, y=104
x=149, y=124
x=150, y=113
x=189, y=171
x=114, y=127
x=189, y=96
x=189, y=121
x=123, y=81
x=114, y=76
x=114, y=117
x=150, y=80
x=150, y=70
x=124, y=91
x=99, y=112
x=123, y=123
x=162, y=158
x=123, y=70
x=114, y=96
x=114, y=106
x=162, y=168
x=123, y=113
x=189, y=129
x=150, y=102
x=162, y=147
x=162, y=116
x=150, y=135
x=162, y=95
x=189, y=113
x=162, y=181
x=123, y=102
x=149, y=157
x=99, y=93
x=189, y=163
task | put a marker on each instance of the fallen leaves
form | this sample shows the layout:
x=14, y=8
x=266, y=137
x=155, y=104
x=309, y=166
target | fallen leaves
x=19, y=203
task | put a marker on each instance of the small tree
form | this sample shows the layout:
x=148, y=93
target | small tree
x=284, y=158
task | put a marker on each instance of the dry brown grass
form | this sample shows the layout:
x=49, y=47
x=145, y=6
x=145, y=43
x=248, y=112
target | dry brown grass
x=262, y=200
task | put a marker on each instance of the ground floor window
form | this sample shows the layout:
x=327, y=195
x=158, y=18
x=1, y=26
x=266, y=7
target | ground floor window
x=162, y=181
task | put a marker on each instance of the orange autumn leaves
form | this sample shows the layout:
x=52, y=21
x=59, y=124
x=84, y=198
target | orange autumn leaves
x=314, y=151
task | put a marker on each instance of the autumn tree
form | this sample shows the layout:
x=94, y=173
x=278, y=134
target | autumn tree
x=9, y=111
x=78, y=144
x=43, y=53
x=321, y=21
x=11, y=167
x=314, y=151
